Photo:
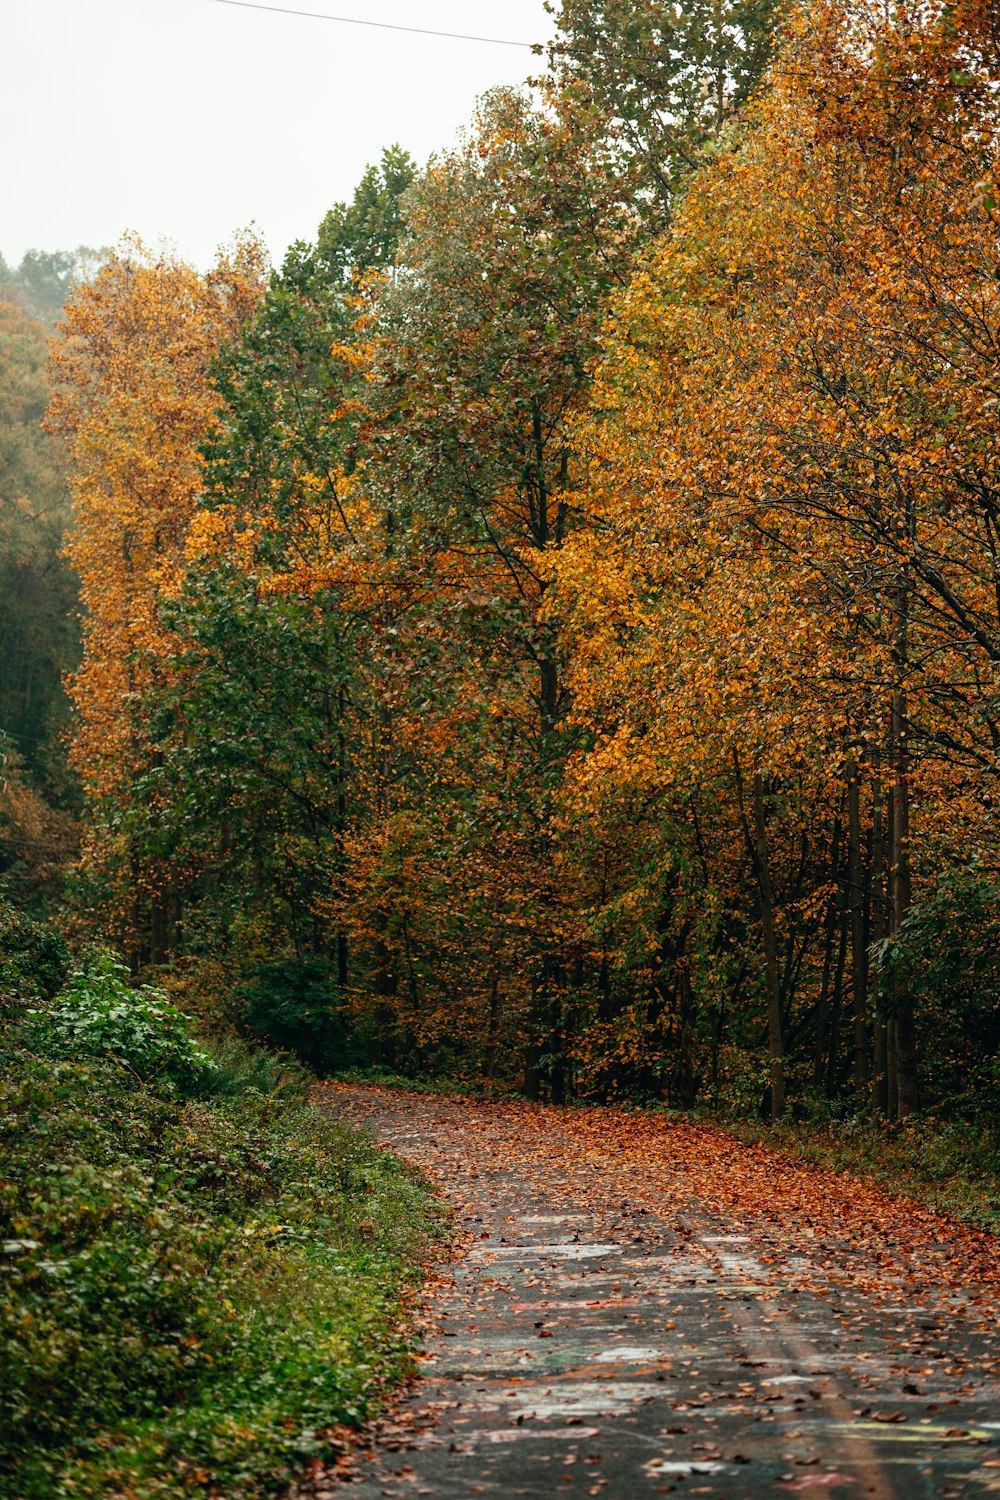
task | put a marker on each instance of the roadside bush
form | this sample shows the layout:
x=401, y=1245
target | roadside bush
x=100, y=1014
x=193, y=1286
x=292, y=1004
x=238, y=1068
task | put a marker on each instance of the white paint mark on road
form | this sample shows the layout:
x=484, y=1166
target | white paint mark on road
x=659, y=1467
x=573, y=1398
x=630, y=1355
x=524, y=1252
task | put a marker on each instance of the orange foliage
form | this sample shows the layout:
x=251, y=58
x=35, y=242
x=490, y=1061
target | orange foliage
x=132, y=395
x=792, y=563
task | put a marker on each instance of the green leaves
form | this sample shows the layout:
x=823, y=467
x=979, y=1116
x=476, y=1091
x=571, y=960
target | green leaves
x=100, y=1014
x=193, y=1290
x=363, y=235
x=657, y=83
x=946, y=957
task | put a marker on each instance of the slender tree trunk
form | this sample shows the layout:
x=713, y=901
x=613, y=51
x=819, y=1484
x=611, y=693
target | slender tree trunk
x=545, y=1022
x=859, y=949
x=902, y=894
x=823, y=1003
x=835, y=1009
x=833, y=910
x=880, y=1083
x=775, y=1039
x=891, y=1071
x=718, y=1030
x=879, y=929
x=492, y=1024
x=158, y=929
x=557, y=1050
x=343, y=957
x=386, y=988
x=532, y=1085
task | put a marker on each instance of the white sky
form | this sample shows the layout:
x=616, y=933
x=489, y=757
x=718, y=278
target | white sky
x=189, y=119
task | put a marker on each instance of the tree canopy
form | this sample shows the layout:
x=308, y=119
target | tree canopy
x=553, y=625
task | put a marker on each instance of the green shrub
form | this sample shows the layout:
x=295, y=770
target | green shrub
x=34, y=958
x=946, y=955
x=238, y=1068
x=191, y=1288
x=292, y=1004
x=100, y=1014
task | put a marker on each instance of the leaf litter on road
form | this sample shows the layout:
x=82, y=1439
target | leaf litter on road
x=813, y=1332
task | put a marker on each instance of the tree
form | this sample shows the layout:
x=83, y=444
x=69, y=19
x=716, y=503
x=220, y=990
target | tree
x=259, y=724
x=794, y=476
x=38, y=625
x=475, y=359
x=46, y=278
x=659, y=82
x=133, y=399
x=363, y=235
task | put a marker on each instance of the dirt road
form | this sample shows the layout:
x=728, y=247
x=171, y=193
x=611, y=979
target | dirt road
x=643, y=1308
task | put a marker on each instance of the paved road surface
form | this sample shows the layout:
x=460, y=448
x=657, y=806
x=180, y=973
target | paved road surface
x=641, y=1310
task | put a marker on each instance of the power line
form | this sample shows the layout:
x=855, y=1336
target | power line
x=316, y=15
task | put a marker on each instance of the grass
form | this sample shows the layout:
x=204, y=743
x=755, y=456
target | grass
x=196, y=1282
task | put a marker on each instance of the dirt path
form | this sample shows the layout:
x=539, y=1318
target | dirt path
x=645, y=1308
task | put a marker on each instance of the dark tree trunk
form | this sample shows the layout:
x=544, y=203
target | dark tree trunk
x=492, y=1025
x=835, y=1009
x=859, y=947
x=879, y=929
x=902, y=894
x=775, y=1038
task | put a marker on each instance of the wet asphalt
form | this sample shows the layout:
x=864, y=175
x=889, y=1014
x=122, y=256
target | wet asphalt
x=600, y=1335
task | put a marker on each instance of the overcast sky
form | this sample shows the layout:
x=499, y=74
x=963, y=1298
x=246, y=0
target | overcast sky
x=190, y=119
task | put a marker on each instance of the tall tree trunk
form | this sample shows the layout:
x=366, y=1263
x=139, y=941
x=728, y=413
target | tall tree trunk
x=775, y=1039
x=532, y=1085
x=159, y=929
x=545, y=1018
x=832, y=1069
x=823, y=1003
x=492, y=1024
x=340, y=828
x=879, y=929
x=557, y=1050
x=902, y=880
x=880, y=1082
x=386, y=988
x=859, y=949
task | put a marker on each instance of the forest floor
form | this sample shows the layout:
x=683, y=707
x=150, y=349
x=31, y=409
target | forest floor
x=638, y=1306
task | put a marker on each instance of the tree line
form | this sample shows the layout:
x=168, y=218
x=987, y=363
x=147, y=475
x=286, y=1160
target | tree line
x=548, y=630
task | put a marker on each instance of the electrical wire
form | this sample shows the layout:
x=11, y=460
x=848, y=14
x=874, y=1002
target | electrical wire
x=316, y=15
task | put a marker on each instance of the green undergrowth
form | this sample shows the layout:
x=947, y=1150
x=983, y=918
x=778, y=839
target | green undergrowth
x=954, y=1166
x=200, y=1272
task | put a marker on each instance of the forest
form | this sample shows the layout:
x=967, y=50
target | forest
x=544, y=637
x=547, y=631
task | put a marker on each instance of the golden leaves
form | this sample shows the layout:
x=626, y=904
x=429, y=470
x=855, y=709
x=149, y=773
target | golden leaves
x=132, y=396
